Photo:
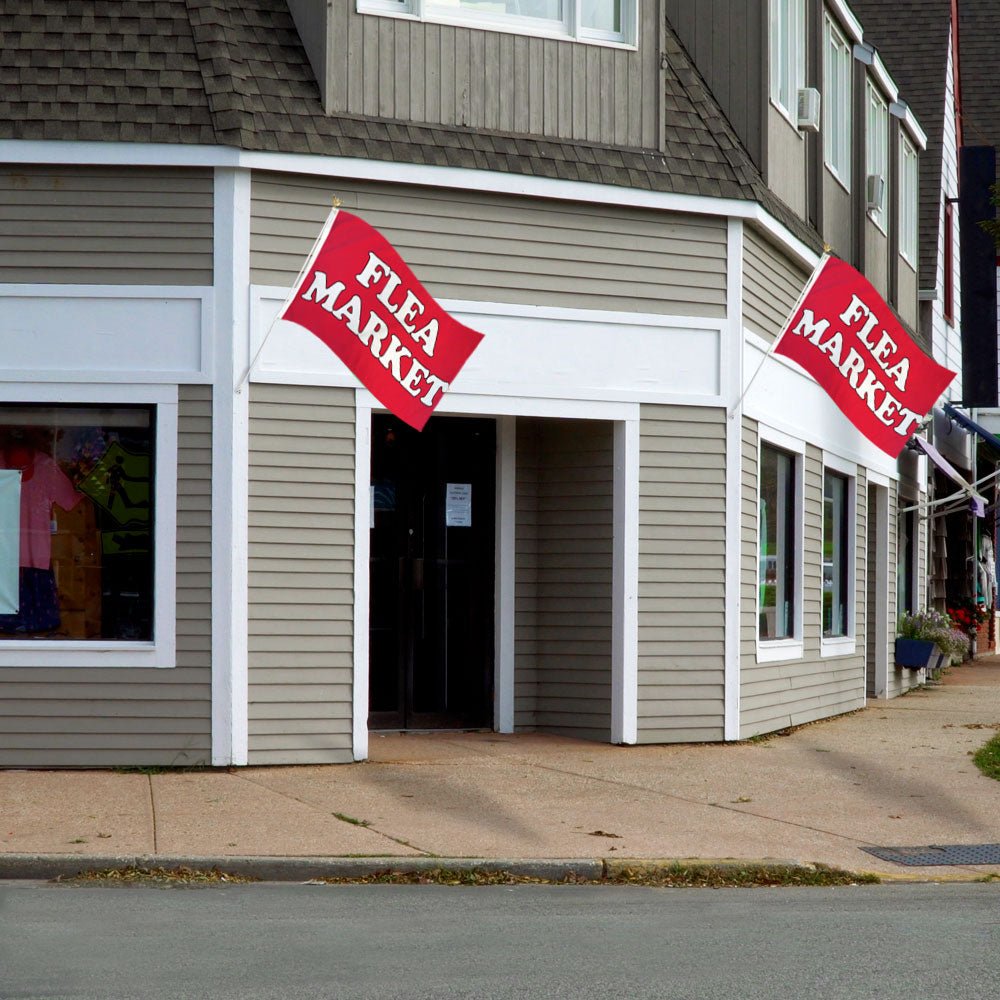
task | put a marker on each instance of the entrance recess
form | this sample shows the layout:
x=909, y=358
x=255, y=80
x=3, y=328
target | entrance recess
x=432, y=554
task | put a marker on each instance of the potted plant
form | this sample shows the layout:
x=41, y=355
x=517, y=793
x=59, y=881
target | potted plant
x=929, y=639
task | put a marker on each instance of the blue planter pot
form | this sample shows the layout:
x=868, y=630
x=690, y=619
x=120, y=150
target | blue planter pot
x=917, y=654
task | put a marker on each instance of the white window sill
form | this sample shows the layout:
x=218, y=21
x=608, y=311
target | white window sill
x=85, y=654
x=845, y=645
x=881, y=225
x=909, y=263
x=778, y=650
x=832, y=171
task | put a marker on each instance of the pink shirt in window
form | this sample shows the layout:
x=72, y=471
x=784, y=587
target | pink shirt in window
x=43, y=484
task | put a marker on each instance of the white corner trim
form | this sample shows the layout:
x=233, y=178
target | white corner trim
x=230, y=471
x=625, y=585
x=504, y=626
x=362, y=546
x=732, y=373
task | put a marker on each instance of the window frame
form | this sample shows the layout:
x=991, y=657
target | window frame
x=838, y=60
x=877, y=149
x=909, y=186
x=569, y=28
x=791, y=647
x=160, y=651
x=787, y=43
x=846, y=644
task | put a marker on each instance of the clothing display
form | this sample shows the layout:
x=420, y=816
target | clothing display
x=43, y=484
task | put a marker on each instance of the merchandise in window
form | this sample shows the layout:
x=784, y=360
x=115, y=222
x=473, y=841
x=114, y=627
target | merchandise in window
x=836, y=563
x=776, y=576
x=837, y=103
x=788, y=61
x=84, y=522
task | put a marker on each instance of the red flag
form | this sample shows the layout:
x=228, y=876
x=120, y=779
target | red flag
x=848, y=339
x=365, y=304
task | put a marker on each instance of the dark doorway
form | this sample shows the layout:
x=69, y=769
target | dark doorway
x=432, y=571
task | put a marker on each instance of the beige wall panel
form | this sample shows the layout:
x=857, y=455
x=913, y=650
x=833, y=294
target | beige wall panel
x=469, y=245
x=442, y=74
x=562, y=601
x=681, y=574
x=837, y=216
x=788, y=693
x=786, y=161
x=908, y=306
x=772, y=284
x=877, y=258
x=155, y=716
x=301, y=581
x=105, y=225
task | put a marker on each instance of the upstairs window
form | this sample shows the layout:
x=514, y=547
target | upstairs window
x=837, y=103
x=908, y=200
x=788, y=53
x=877, y=155
x=610, y=21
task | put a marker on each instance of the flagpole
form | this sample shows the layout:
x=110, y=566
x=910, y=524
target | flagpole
x=805, y=291
x=310, y=257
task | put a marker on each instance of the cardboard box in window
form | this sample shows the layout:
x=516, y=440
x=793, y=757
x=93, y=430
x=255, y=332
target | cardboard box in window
x=76, y=562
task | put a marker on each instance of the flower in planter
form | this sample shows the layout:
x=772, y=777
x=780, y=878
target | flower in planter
x=934, y=626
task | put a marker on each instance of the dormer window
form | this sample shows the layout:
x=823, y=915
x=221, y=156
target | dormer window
x=600, y=21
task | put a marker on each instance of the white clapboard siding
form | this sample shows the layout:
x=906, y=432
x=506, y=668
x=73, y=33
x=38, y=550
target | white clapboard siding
x=301, y=585
x=776, y=695
x=771, y=285
x=105, y=225
x=496, y=248
x=682, y=539
x=83, y=717
x=562, y=673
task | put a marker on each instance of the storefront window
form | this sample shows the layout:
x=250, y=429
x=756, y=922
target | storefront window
x=836, y=542
x=84, y=523
x=777, y=544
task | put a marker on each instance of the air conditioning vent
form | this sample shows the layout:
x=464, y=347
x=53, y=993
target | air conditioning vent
x=808, y=109
x=875, y=192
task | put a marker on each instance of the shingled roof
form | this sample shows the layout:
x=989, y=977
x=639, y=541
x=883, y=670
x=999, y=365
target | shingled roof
x=978, y=31
x=235, y=73
x=912, y=38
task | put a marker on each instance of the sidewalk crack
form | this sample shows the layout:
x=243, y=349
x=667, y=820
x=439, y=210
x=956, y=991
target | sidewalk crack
x=152, y=812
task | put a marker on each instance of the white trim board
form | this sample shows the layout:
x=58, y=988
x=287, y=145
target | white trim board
x=530, y=351
x=93, y=333
x=462, y=178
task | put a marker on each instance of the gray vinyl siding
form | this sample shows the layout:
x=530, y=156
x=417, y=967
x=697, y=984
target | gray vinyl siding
x=771, y=285
x=443, y=74
x=786, y=161
x=877, y=257
x=563, y=578
x=792, y=692
x=497, y=248
x=907, y=292
x=92, y=717
x=105, y=225
x=719, y=35
x=301, y=574
x=682, y=529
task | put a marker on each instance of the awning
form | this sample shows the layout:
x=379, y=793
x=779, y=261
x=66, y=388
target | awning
x=978, y=502
x=970, y=425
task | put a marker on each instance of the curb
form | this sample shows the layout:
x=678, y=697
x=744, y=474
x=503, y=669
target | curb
x=298, y=869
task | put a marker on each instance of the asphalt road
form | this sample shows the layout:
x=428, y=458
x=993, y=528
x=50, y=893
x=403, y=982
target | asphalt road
x=296, y=941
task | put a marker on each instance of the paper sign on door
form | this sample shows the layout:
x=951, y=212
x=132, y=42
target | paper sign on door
x=458, y=505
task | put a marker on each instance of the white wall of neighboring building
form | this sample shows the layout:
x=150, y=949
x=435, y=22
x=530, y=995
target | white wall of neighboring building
x=946, y=339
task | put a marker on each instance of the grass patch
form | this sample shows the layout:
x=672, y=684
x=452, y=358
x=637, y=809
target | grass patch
x=672, y=876
x=353, y=820
x=132, y=875
x=987, y=758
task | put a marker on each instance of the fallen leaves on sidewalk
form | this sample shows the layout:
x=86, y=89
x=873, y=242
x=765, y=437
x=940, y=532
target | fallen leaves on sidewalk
x=131, y=875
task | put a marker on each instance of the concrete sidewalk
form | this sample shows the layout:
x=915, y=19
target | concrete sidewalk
x=896, y=773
